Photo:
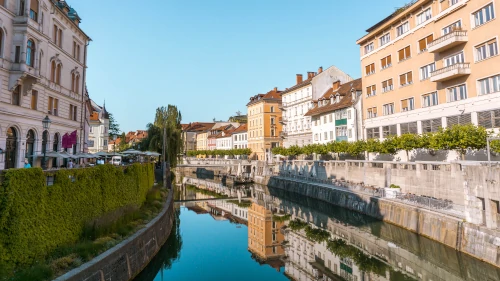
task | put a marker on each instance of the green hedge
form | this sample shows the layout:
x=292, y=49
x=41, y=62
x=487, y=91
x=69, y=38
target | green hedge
x=36, y=218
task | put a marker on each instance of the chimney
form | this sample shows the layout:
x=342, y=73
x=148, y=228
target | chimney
x=336, y=85
x=276, y=89
x=299, y=78
x=320, y=69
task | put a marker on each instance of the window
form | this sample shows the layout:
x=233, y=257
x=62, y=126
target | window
x=273, y=132
x=34, y=10
x=386, y=62
x=373, y=133
x=388, y=109
x=487, y=50
x=430, y=99
x=16, y=96
x=326, y=136
x=73, y=112
x=489, y=119
x=424, y=16
x=53, y=105
x=402, y=29
x=372, y=112
x=454, y=59
x=391, y=130
x=431, y=126
x=404, y=54
x=53, y=71
x=409, y=128
x=407, y=104
x=76, y=51
x=34, y=99
x=422, y=43
x=348, y=114
x=452, y=27
x=349, y=133
x=489, y=85
x=272, y=108
x=18, y=54
x=386, y=38
x=370, y=69
x=458, y=120
x=406, y=79
x=22, y=6
x=371, y=91
x=369, y=48
x=30, y=53
x=484, y=15
x=324, y=119
x=57, y=35
x=425, y=71
x=457, y=93
x=387, y=86
x=331, y=135
x=341, y=131
x=272, y=121
x=58, y=74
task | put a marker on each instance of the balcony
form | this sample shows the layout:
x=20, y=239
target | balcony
x=450, y=72
x=283, y=134
x=447, y=41
x=282, y=120
x=282, y=106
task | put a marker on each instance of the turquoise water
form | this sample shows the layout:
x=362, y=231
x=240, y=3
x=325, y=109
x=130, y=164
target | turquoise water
x=210, y=250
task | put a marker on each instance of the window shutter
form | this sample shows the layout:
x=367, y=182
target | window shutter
x=451, y=121
x=430, y=38
x=407, y=52
x=367, y=69
x=404, y=103
x=34, y=6
x=402, y=79
x=484, y=119
x=384, y=84
x=401, y=54
x=409, y=77
x=374, y=110
x=374, y=88
x=422, y=44
x=390, y=82
x=389, y=60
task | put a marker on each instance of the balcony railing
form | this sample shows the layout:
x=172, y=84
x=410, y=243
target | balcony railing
x=283, y=134
x=450, y=72
x=447, y=41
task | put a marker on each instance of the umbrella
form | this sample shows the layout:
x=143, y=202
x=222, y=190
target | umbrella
x=65, y=154
x=102, y=153
x=150, y=153
x=133, y=151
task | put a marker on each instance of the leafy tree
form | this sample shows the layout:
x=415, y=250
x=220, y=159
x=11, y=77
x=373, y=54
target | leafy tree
x=114, y=127
x=460, y=138
x=294, y=150
x=408, y=142
x=356, y=148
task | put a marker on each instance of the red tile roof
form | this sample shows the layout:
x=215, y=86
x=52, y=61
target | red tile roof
x=273, y=95
x=240, y=129
x=344, y=91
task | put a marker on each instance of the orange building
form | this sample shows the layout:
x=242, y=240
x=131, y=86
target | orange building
x=264, y=125
x=431, y=64
x=264, y=236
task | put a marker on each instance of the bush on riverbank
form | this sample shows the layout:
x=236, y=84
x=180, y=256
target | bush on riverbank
x=36, y=218
x=206, y=192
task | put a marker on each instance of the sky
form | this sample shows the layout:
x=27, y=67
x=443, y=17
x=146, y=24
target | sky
x=208, y=57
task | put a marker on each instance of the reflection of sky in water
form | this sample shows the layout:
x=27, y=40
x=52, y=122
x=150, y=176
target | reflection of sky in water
x=215, y=251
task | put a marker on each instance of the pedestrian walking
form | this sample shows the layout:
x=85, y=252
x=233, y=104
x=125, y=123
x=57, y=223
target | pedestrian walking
x=26, y=163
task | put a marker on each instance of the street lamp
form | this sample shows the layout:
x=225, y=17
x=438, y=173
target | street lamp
x=46, y=126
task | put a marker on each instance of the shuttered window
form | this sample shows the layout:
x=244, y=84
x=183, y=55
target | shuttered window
x=373, y=133
x=404, y=54
x=389, y=131
x=458, y=120
x=489, y=119
x=422, y=43
x=387, y=86
x=409, y=128
x=372, y=112
x=406, y=79
x=430, y=126
x=371, y=91
x=386, y=62
x=370, y=69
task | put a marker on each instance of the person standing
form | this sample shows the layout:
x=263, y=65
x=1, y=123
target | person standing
x=70, y=164
x=26, y=163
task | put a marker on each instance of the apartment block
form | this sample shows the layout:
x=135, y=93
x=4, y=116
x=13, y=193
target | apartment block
x=431, y=64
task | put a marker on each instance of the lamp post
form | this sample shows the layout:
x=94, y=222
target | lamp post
x=46, y=126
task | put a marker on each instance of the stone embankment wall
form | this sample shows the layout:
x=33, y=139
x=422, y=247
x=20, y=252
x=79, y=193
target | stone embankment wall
x=127, y=259
x=474, y=240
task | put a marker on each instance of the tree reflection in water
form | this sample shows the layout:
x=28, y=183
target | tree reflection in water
x=169, y=253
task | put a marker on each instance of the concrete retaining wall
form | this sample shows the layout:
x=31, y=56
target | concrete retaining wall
x=127, y=259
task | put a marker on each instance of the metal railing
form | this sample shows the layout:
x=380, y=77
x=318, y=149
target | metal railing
x=459, y=66
x=446, y=37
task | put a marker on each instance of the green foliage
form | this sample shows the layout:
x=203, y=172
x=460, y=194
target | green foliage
x=460, y=138
x=206, y=192
x=316, y=234
x=36, y=218
x=114, y=127
x=283, y=218
x=33, y=273
x=297, y=224
x=394, y=186
x=495, y=145
x=215, y=152
x=243, y=204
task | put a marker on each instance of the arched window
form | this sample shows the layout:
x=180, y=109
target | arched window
x=30, y=53
x=53, y=71
x=16, y=96
x=73, y=81
x=58, y=74
x=77, y=83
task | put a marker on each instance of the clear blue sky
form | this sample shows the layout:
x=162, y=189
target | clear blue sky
x=209, y=56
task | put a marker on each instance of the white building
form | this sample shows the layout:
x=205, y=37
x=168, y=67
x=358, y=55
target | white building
x=298, y=100
x=335, y=115
x=240, y=137
x=99, y=129
x=224, y=140
x=43, y=58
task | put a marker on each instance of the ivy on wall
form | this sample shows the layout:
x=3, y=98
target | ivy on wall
x=36, y=218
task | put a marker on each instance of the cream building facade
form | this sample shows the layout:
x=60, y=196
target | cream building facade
x=432, y=64
x=99, y=129
x=42, y=73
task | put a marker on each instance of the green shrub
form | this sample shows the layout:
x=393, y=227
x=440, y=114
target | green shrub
x=36, y=219
x=297, y=224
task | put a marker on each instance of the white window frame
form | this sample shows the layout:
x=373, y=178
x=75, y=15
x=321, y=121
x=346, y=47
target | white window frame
x=407, y=84
x=428, y=10
x=411, y=104
x=368, y=48
x=387, y=89
x=490, y=84
x=403, y=31
x=475, y=49
x=386, y=107
x=482, y=10
x=372, y=93
x=406, y=58
x=422, y=78
x=448, y=27
x=431, y=99
x=459, y=98
x=384, y=36
x=445, y=59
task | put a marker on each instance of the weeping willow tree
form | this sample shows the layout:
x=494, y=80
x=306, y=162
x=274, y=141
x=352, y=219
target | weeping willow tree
x=170, y=118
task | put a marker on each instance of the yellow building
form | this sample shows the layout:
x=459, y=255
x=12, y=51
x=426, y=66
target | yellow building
x=264, y=125
x=264, y=236
x=431, y=64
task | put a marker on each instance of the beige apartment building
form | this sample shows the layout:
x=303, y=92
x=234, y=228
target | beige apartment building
x=431, y=64
x=264, y=236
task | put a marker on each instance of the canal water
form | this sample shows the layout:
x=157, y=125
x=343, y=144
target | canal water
x=251, y=239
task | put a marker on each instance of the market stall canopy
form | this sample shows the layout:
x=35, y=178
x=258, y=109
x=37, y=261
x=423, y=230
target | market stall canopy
x=102, y=154
x=150, y=153
x=133, y=151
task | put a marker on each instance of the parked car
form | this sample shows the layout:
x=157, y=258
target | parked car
x=116, y=160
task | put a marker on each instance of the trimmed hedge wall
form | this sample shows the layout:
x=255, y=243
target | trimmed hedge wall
x=36, y=218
